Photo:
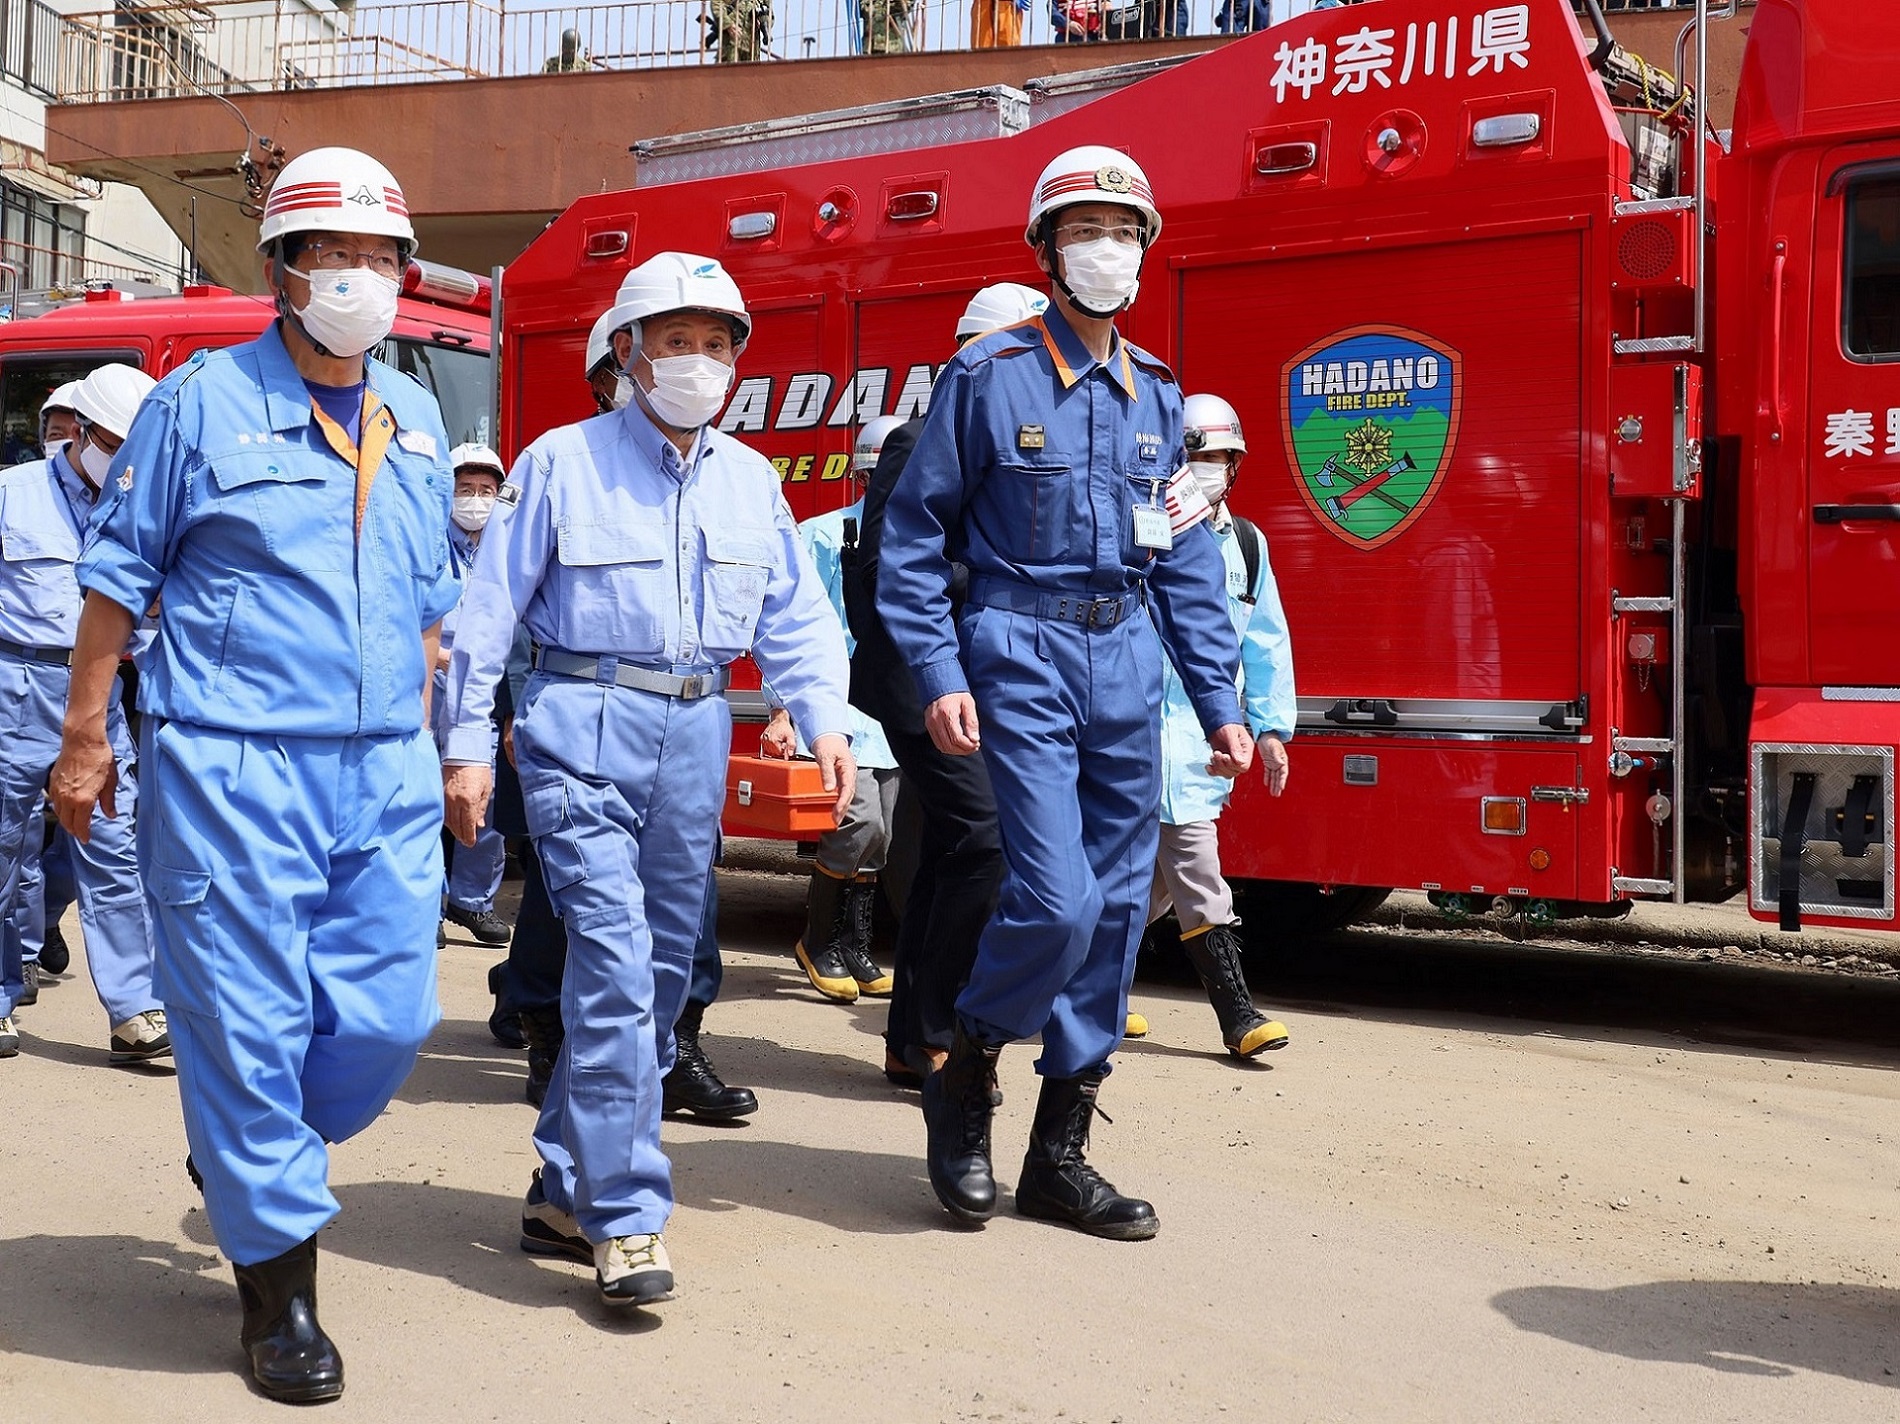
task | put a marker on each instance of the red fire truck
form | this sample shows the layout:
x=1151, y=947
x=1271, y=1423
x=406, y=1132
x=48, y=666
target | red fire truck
x=441, y=338
x=1574, y=425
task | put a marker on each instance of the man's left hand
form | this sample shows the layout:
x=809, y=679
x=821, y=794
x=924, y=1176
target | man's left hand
x=838, y=769
x=1233, y=751
x=1273, y=762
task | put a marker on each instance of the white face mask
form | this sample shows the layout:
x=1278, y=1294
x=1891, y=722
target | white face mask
x=1104, y=274
x=471, y=511
x=1211, y=476
x=623, y=391
x=93, y=463
x=688, y=390
x=349, y=311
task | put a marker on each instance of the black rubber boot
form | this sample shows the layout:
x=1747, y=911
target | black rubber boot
x=821, y=950
x=959, y=1100
x=504, y=1024
x=291, y=1358
x=1215, y=956
x=693, y=1087
x=860, y=910
x=544, y=1033
x=1059, y=1185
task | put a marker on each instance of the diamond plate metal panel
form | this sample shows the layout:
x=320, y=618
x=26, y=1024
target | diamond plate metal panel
x=1824, y=866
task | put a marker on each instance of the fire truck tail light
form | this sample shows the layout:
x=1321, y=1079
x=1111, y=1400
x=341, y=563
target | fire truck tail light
x=913, y=206
x=610, y=243
x=749, y=226
x=1283, y=158
x=1506, y=130
x=1503, y=815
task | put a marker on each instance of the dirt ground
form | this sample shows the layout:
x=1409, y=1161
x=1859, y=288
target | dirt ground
x=1409, y=1214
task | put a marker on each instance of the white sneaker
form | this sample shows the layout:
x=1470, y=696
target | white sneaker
x=9, y=1037
x=633, y=1270
x=141, y=1037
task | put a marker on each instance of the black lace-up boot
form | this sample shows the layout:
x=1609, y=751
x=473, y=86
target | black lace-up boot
x=1057, y=1182
x=693, y=1087
x=1215, y=956
x=544, y=1033
x=820, y=949
x=959, y=1100
x=860, y=911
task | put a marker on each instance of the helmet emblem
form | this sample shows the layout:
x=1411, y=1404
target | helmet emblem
x=1114, y=180
x=705, y=269
x=366, y=198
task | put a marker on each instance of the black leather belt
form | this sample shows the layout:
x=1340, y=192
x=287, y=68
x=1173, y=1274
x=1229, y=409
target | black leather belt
x=59, y=657
x=1101, y=611
x=686, y=686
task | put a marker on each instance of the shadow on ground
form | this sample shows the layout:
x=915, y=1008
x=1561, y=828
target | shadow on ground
x=1735, y=1327
x=137, y=1305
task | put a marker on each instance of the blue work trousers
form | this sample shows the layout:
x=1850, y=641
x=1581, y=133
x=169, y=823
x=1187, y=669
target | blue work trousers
x=112, y=907
x=475, y=871
x=297, y=884
x=1071, y=738
x=45, y=892
x=623, y=791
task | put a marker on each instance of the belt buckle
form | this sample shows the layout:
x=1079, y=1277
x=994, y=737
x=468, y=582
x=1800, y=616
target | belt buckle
x=1105, y=612
x=693, y=686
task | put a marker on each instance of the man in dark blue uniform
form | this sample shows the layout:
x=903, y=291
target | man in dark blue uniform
x=1052, y=467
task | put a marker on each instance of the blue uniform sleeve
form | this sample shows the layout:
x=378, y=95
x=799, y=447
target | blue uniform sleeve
x=914, y=561
x=825, y=560
x=133, y=535
x=509, y=566
x=1266, y=660
x=1188, y=591
x=799, y=643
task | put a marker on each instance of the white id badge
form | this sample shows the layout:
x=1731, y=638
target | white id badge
x=1152, y=530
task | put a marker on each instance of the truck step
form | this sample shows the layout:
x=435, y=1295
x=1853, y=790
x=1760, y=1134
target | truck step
x=1653, y=345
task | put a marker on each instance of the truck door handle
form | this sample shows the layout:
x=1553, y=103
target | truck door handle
x=1842, y=513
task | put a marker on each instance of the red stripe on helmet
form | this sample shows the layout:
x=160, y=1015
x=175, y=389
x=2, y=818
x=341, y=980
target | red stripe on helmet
x=393, y=200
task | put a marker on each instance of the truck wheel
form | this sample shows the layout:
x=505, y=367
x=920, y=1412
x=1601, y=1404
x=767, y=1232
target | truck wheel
x=1274, y=911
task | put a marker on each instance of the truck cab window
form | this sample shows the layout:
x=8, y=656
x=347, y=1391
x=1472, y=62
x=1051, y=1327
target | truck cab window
x=458, y=379
x=1870, y=281
x=26, y=381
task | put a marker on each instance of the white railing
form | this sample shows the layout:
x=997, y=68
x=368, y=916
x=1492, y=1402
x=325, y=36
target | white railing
x=235, y=45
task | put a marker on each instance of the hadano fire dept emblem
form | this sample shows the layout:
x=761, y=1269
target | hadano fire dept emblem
x=1371, y=420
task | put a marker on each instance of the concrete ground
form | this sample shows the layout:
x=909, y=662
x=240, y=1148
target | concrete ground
x=1412, y=1213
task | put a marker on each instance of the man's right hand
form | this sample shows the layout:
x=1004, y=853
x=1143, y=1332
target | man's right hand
x=465, y=791
x=85, y=776
x=951, y=722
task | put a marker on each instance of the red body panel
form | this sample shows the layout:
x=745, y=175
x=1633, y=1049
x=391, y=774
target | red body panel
x=1526, y=503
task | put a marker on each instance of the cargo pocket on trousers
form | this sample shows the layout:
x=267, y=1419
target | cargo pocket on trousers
x=544, y=803
x=184, y=967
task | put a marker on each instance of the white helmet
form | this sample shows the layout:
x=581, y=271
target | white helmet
x=480, y=456
x=110, y=396
x=870, y=443
x=998, y=305
x=678, y=281
x=600, y=341
x=1211, y=424
x=1093, y=174
x=59, y=398
x=336, y=190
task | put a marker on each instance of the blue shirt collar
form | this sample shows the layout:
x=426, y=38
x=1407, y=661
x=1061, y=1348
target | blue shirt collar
x=651, y=442
x=69, y=478
x=1072, y=358
x=288, y=398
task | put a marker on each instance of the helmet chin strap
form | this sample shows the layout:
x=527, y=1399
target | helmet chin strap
x=1055, y=275
x=285, y=310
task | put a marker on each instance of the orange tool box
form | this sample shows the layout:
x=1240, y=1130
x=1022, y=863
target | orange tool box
x=786, y=798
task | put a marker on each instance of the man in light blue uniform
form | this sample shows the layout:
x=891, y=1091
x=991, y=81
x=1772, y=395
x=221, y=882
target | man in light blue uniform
x=474, y=871
x=45, y=507
x=1051, y=465
x=1187, y=870
x=645, y=551
x=285, y=502
x=835, y=950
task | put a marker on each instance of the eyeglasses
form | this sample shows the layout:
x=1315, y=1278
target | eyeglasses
x=329, y=256
x=1128, y=236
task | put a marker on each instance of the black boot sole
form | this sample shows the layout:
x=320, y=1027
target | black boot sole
x=731, y=1114
x=1108, y=1230
x=320, y=1393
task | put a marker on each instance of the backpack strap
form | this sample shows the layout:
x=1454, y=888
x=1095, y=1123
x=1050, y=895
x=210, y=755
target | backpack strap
x=1252, y=553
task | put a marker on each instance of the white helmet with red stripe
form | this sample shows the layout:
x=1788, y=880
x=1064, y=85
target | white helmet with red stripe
x=336, y=190
x=1211, y=424
x=1092, y=174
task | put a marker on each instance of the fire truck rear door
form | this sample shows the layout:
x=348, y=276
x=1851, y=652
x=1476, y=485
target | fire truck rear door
x=1854, y=420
